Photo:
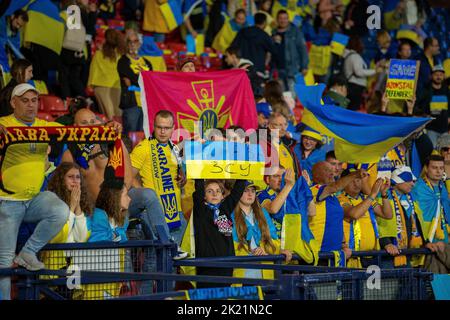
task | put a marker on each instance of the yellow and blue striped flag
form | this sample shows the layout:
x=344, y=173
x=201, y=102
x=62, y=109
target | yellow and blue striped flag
x=172, y=13
x=45, y=26
x=338, y=43
x=359, y=137
x=224, y=160
x=153, y=53
x=438, y=103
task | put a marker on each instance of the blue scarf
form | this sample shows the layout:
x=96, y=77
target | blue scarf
x=215, y=209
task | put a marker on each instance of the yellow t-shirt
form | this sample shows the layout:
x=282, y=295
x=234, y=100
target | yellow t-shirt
x=367, y=233
x=23, y=168
x=285, y=157
x=166, y=186
x=103, y=71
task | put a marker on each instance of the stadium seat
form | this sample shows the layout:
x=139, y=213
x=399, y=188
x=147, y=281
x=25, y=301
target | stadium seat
x=136, y=137
x=45, y=116
x=52, y=105
x=116, y=24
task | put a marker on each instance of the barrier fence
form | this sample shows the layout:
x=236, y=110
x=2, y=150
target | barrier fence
x=145, y=270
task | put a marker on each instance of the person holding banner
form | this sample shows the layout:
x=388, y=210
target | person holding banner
x=254, y=233
x=433, y=101
x=157, y=161
x=213, y=225
x=22, y=173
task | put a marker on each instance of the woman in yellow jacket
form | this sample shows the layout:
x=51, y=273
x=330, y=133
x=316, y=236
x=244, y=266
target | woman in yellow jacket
x=254, y=233
x=103, y=75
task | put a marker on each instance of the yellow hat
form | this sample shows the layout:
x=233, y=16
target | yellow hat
x=312, y=134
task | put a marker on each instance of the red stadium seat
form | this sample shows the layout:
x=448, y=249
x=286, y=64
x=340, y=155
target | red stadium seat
x=136, y=137
x=52, y=104
x=116, y=24
x=45, y=116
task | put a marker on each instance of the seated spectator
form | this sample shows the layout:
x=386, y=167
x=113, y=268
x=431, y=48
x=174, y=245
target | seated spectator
x=360, y=212
x=69, y=185
x=327, y=224
x=213, y=225
x=103, y=75
x=254, y=233
x=21, y=72
x=109, y=222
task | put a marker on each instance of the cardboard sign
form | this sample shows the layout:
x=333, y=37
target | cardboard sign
x=224, y=160
x=402, y=79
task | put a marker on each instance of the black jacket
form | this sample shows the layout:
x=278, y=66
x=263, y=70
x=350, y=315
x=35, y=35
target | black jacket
x=254, y=43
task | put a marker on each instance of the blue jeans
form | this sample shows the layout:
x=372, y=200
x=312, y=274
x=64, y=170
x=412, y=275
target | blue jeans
x=46, y=209
x=132, y=119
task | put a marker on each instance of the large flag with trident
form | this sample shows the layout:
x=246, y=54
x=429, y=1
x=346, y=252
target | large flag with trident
x=217, y=99
x=359, y=137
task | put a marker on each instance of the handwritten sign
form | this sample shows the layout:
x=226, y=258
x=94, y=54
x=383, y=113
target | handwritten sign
x=224, y=160
x=402, y=79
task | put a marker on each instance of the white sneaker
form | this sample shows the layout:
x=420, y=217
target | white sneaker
x=28, y=261
x=180, y=254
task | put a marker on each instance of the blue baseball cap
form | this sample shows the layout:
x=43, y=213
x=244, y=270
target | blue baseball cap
x=264, y=108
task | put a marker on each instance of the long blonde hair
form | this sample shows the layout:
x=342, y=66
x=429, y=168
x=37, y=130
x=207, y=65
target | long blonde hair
x=241, y=228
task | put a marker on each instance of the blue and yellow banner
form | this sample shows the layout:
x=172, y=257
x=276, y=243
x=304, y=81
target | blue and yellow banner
x=225, y=293
x=195, y=45
x=172, y=13
x=224, y=160
x=338, y=43
x=45, y=26
x=359, y=137
x=402, y=79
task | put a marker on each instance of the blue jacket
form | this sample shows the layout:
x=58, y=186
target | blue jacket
x=101, y=230
x=295, y=55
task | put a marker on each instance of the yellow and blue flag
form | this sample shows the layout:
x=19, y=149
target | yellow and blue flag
x=153, y=53
x=338, y=43
x=296, y=235
x=224, y=160
x=172, y=13
x=45, y=26
x=359, y=137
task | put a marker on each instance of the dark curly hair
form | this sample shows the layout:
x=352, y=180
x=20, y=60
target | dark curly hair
x=108, y=199
x=58, y=186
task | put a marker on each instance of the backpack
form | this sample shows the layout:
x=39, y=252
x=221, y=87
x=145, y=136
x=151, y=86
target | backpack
x=75, y=39
x=337, y=66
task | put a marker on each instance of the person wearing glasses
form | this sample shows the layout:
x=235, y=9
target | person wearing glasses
x=129, y=66
x=157, y=162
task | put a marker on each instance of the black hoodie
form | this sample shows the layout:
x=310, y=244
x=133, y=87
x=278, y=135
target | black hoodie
x=254, y=43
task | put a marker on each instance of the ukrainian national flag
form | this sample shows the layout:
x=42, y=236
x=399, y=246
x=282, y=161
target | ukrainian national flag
x=438, y=103
x=172, y=13
x=45, y=26
x=410, y=35
x=295, y=233
x=338, y=43
x=359, y=137
x=153, y=53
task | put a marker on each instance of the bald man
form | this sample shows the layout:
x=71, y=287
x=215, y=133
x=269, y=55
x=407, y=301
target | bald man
x=93, y=167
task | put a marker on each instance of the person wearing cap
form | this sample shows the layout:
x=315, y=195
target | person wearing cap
x=263, y=109
x=433, y=207
x=327, y=224
x=433, y=101
x=402, y=230
x=309, y=151
x=129, y=66
x=254, y=233
x=360, y=213
x=23, y=170
x=186, y=64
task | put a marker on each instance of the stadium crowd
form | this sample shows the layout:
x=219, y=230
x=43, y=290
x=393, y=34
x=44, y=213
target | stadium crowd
x=64, y=193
